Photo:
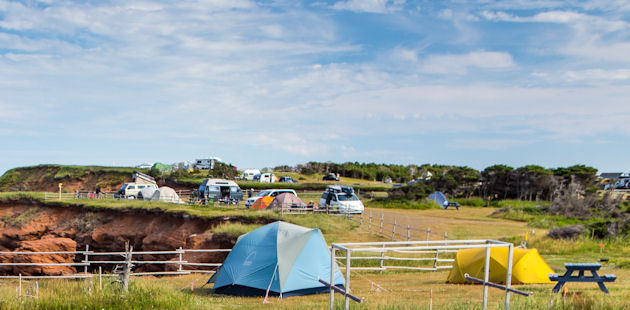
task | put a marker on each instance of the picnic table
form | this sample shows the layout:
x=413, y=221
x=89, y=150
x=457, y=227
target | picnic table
x=580, y=277
x=452, y=204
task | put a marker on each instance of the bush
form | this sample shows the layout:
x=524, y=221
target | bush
x=389, y=203
x=566, y=232
x=471, y=202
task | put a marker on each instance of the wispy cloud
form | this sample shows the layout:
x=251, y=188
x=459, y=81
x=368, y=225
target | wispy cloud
x=370, y=6
x=459, y=64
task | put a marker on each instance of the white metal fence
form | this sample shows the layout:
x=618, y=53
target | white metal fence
x=418, y=246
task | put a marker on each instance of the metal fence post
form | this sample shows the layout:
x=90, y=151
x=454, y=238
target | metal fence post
x=332, y=277
x=508, y=277
x=370, y=223
x=428, y=233
x=408, y=232
x=445, y=236
x=486, y=278
x=347, y=299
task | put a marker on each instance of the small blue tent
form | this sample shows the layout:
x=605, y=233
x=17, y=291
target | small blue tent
x=288, y=259
x=442, y=201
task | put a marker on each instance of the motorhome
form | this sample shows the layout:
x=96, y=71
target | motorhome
x=266, y=177
x=341, y=199
x=207, y=163
x=220, y=190
x=249, y=174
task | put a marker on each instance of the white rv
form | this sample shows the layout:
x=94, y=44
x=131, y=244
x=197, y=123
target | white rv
x=207, y=163
x=249, y=174
x=266, y=177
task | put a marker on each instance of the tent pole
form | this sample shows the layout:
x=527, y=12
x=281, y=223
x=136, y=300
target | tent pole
x=486, y=278
x=269, y=287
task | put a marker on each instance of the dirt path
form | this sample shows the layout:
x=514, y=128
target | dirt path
x=466, y=223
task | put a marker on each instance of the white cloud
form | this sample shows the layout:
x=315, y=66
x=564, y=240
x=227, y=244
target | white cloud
x=598, y=75
x=370, y=6
x=560, y=17
x=459, y=63
x=560, y=112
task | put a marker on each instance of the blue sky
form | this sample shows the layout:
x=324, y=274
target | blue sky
x=264, y=83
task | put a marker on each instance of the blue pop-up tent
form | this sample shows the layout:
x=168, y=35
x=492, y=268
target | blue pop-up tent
x=442, y=201
x=286, y=258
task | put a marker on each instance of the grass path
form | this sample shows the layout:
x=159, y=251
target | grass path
x=465, y=223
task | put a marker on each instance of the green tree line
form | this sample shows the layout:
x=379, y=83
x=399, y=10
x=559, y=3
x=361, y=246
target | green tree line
x=531, y=182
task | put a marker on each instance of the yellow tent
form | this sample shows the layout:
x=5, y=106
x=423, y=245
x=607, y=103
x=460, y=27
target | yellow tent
x=528, y=266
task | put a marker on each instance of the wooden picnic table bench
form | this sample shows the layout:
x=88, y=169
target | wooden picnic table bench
x=580, y=277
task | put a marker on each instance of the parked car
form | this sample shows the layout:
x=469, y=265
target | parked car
x=220, y=190
x=287, y=179
x=341, y=199
x=622, y=183
x=267, y=192
x=331, y=177
x=131, y=190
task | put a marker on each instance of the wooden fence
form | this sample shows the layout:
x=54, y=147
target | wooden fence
x=97, y=259
x=391, y=229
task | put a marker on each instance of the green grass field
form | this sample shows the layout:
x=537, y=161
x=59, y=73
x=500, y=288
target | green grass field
x=398, y=289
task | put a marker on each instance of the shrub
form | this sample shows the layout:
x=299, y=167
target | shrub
x=471, y=202
x=566, y=232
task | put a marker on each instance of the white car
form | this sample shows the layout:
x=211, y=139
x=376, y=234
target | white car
x=267, y=192
x=342, y=199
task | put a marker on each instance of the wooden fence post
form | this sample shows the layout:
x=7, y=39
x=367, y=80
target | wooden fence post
x=382, y=257
x=394, y=231
x=181, y=254
x=20, y=286
x=408, y=232
x=436, y=259
x=370, y=224
x=382, y=215
x=445, y=236
x=126, y=268
x=86, y=259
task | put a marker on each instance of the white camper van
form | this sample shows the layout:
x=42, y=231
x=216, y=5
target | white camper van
x=140, y=181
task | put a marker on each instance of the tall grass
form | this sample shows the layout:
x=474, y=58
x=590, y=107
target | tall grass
x=402, y=204
x=235, y=229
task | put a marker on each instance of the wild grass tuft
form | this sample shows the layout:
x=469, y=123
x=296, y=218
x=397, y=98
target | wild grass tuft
x=234, y=229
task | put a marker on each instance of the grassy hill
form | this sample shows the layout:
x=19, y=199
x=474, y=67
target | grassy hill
x=47, y=178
